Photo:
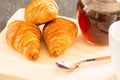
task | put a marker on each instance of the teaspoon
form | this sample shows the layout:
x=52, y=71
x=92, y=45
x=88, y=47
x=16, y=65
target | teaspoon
x=70, y=66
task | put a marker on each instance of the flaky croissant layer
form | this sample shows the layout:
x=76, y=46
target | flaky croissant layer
x=41, y=11
x=24, y=37
x=59, y=35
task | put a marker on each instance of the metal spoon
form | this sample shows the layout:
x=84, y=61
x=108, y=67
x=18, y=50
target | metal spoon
x=70, y=66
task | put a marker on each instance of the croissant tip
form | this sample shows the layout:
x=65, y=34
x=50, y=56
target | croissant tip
x=33, y=56
x=55, y=53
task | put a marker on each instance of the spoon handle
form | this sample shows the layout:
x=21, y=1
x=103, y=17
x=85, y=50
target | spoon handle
x=97, y=59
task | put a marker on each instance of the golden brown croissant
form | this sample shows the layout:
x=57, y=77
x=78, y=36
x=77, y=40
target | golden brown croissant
x=24, y=37
x=41, y=11
x=59, y=35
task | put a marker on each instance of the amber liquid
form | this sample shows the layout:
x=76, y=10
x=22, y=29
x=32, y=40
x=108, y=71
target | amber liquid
x=94, y=25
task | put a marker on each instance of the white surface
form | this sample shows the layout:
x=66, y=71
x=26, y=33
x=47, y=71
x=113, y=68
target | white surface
x=114, y=41
x=15, y=66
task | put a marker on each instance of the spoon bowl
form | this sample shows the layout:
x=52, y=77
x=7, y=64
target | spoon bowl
x=69, y=66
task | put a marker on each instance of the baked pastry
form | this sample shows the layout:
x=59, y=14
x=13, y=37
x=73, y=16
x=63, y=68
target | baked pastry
x=59, y=35
x=24, y=37
x=41, y=11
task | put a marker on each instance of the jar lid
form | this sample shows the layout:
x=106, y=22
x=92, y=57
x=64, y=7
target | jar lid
x=103, y=6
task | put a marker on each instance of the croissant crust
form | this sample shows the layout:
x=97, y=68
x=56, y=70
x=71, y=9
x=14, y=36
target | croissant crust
x=41, y=11
x=24, y=37
x=59, y=35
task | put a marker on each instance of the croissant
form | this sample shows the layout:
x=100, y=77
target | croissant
x=24, y=37
x=41, y=11
x=59, y=35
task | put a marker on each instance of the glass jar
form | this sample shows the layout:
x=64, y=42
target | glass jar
x=94, y=18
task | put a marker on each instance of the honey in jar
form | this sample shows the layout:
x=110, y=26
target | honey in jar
x=94, y=18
